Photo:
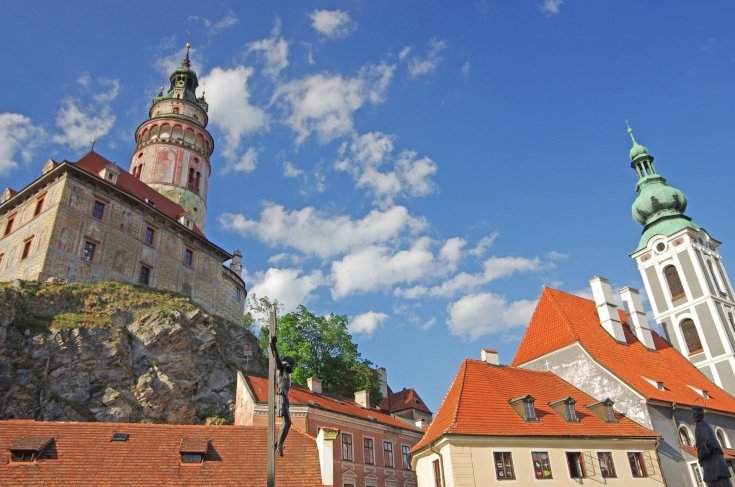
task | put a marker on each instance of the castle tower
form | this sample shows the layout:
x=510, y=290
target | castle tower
x=173, y=146
x=689, y=290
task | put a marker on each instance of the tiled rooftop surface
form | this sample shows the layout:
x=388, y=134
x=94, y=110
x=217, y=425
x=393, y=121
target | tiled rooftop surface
x=561, y=319
x=83, y=455
x=477, y=403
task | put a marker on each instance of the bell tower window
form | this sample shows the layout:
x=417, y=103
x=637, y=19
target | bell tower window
x=691, y=336
x=674, y=281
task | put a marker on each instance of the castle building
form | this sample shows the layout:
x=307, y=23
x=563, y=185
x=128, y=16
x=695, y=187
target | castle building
x=91, y=220
x=690, y=292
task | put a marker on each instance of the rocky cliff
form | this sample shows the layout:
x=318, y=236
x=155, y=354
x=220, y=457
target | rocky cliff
x=115, y=352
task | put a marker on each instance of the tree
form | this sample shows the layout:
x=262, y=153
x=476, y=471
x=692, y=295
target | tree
x=323, y=348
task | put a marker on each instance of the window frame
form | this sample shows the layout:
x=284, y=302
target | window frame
x=637, y=464
x=674, y=282
x=685, y=429
x=504, y=468
x=437, y=473
x=347, y=451
x=149, y=230
x=576, y=457
x=609, y=463
x=689, y=336
x=102, y=207
x=26, y=247
x=39, y=205
x=388, y=454
x=149, y=273
x=405, y=449
x=529, y=409
x=539, y=473
x=368, y=450
x=84, y=250
x=9, y=224
x=188, y=257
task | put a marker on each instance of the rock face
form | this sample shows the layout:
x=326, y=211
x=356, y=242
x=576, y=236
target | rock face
x=115, y=352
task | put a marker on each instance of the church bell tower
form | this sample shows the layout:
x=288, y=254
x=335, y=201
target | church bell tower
x=173, y=146
x=689, y=290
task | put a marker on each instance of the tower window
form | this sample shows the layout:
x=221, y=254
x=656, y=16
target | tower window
x=675, y=286
x=176, y=110
x=691, y=336
x=197, y=180
x=190, y=181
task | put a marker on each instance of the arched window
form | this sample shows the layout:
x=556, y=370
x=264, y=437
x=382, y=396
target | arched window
x=178, y=133
x=691, y=337
x=176, y=109
x=197, y=180
x=154, y=132
x=189, y=136
x=165, y=131
x=722, y=438
x=685, y=437
x=674, y=282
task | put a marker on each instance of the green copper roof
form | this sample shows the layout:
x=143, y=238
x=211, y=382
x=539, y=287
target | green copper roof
x=658, y=207
x=184, y=83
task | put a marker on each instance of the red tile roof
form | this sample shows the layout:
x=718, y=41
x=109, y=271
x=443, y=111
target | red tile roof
x=303, y=396
x=82, y=454
x=561, y=319
x=477, y=404
x=93, y=163
x=405, y=399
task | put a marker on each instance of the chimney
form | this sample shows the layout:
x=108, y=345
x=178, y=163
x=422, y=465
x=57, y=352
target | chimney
x=325, y=445
x=383, y=382
x=236, y=264
x=607, y=310
x=314, y=384
x=490, y=356
x=420, y=423
x=363, y=399
x=637, y=317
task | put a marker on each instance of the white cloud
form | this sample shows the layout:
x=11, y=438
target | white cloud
x=79, y=122
x=466, y=69
x=451, y=251
x=274, y=50
x=291, y=171
x=312, y=232
x=483, y=244
x=19, y=136
x=410, y=176
x=404, y=53
x=379, y=267
x=478, y=315
x=493, y=268
x=215, y=27
x=554, y=255
x=291, y=287
x=420, y=66
x=231, y=112
x=366, y=323
x=332, y=24
x=551, y=7
x=324, y=104
x=246, y=162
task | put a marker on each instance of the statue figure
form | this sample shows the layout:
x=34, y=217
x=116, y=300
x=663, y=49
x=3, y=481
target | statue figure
x=709, y=452
x=284, y=368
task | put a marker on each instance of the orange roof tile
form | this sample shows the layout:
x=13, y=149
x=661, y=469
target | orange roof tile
x=406, y=399
x=303, y=396
x=82, y=454
x=561, y=319
x=479, y=388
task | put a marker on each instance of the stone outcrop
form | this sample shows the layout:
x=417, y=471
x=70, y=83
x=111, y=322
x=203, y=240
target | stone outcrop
x=116, y=352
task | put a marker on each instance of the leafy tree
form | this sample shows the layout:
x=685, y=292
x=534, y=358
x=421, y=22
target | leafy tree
x=323, y=348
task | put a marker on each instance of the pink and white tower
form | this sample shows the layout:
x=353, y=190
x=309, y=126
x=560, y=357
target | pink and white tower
x=174, y=146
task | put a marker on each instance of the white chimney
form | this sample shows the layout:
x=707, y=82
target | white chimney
x=420, y=423
x=363, y=399
x=637, y=317
x=607, y=310
x=314, y=384
x=325, y=446
x=490, y=356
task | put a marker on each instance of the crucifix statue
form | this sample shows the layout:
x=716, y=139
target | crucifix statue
x=284, y=368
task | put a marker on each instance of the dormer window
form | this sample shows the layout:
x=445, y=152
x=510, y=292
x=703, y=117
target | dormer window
x=702, y=392
x=604, y=410
x=193, y=450
x=525, y=407
x=28, y=448
x=566, y=408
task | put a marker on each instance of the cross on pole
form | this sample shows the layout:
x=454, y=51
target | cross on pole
x=271, y=402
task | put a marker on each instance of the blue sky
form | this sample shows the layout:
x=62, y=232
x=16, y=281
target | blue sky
x=422, y=167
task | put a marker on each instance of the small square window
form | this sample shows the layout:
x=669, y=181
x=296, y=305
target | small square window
x=98, y=211
x=88, y=253
x=150, y=235
x=192, y=458
x=145, y=275
x=188, y=257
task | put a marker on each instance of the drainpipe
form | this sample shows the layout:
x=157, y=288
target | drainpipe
x=441, y=462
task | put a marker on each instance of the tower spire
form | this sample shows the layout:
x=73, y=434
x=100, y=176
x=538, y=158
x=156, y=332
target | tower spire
x=186, y=61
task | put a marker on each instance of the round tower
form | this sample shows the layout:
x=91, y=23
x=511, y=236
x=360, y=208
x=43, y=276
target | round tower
x=173, y=146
